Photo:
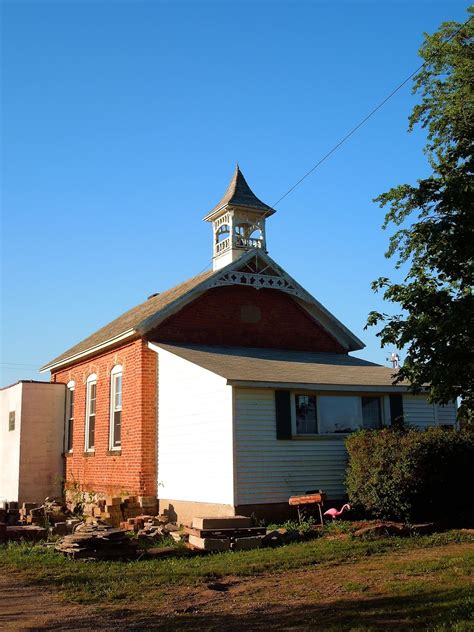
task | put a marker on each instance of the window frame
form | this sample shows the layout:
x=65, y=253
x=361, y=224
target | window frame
x=91, y=380
x=318, y=394
x=68, y=426
x=294, y=427
x=116, y=371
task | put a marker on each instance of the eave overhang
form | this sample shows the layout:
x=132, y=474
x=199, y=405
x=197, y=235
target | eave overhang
x=83, y=355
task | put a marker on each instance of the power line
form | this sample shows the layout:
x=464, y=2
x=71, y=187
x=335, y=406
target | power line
x=19, y=368
x=371, y=113
x=362, y=122
x=11, y=364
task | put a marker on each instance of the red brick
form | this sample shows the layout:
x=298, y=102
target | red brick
x=215, y=319
x=133, y=472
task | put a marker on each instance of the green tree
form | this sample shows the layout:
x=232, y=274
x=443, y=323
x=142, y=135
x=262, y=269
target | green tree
x=434, y=239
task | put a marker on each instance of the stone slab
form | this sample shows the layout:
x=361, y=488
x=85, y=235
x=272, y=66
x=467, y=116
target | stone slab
x=224, y=522
x=246, y=544
x=209, y=544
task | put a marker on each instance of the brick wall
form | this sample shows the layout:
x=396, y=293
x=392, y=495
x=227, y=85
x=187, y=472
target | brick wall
x=244, y=316
x=133, y=471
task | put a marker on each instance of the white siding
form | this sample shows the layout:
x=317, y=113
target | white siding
x=447, y=414
x=195, y=453
x=269, y=470
x=10, y=400
x=417, y=411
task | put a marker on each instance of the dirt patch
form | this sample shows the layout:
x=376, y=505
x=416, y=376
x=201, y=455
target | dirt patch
x=339, y=596
x=27, y=607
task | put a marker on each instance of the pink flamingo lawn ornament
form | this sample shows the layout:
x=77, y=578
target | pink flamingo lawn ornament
x=334, y=513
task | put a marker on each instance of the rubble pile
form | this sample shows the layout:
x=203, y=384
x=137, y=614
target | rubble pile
x=151, y=529
x=50, y=512
x=116, y=509
x=97, y=541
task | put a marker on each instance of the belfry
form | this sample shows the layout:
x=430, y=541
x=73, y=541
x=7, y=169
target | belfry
x=238, y=222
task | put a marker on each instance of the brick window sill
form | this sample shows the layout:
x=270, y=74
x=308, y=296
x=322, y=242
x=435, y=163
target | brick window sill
x=68, y=454
x=89, y=453
x=114, y=452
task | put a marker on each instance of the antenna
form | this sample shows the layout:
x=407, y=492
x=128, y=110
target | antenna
x=395, y=360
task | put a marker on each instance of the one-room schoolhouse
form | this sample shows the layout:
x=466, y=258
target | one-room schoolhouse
x=229, y=392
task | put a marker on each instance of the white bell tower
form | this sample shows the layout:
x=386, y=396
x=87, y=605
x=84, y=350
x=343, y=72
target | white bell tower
x=238, y=222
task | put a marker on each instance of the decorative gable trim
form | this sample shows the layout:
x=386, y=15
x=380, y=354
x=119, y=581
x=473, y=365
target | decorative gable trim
x=256, y=269
x=262, y=276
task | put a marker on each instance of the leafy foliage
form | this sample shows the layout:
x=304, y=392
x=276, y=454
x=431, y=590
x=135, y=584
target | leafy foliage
x=410, y=474
x=437, y=322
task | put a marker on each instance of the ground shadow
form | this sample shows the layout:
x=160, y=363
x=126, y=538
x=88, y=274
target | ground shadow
x=403, y=612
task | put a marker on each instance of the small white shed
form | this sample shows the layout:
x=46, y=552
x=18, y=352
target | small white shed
x=31, y=441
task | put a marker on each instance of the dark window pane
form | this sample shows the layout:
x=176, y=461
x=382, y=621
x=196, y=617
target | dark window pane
x=92, y=393
x=70, y=429
x=91, y=438
x=11, y=420
x=117, y=428
x=71, y=404
x=339, y=414
x=371, y=412
x=306, y=416
x=118, y=391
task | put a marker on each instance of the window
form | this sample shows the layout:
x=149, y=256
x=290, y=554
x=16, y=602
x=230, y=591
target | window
x=69, y=430
x=306, y=414
x=371, y=412
x=335, y=414
x=339, y=414
x=115, y=439
x=91, y=394
x=11, y=420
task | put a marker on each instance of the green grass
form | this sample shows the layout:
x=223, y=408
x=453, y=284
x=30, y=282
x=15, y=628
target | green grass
x=82, y=581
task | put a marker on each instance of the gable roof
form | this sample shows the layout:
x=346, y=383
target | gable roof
x=144, y=317
x=270, y=367
x=239, y=193
x=125, y=325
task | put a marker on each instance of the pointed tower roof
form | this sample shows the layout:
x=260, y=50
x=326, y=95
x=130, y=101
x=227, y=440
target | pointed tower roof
x=240, y=194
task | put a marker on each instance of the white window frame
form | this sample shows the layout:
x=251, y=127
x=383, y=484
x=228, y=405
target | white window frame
x=317, y=394
x=117, y=370
x=92, y=379
x=70, y=388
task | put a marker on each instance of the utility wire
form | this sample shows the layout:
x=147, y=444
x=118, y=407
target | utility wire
x=362, y=122
x=31, y=366
x=376, y=109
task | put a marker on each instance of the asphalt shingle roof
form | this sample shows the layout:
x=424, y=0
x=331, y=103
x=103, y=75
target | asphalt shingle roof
x=133, y=317
x=241, y=364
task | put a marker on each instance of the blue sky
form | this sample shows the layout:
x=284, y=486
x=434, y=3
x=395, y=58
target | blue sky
x=122, y=123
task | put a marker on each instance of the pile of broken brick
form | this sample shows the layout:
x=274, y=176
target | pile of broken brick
x=33, y=521
x=152, y=528
x=118, y=509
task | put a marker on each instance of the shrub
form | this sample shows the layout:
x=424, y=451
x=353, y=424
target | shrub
x=412, y=475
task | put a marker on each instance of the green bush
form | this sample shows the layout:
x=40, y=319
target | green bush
x=412, y=475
